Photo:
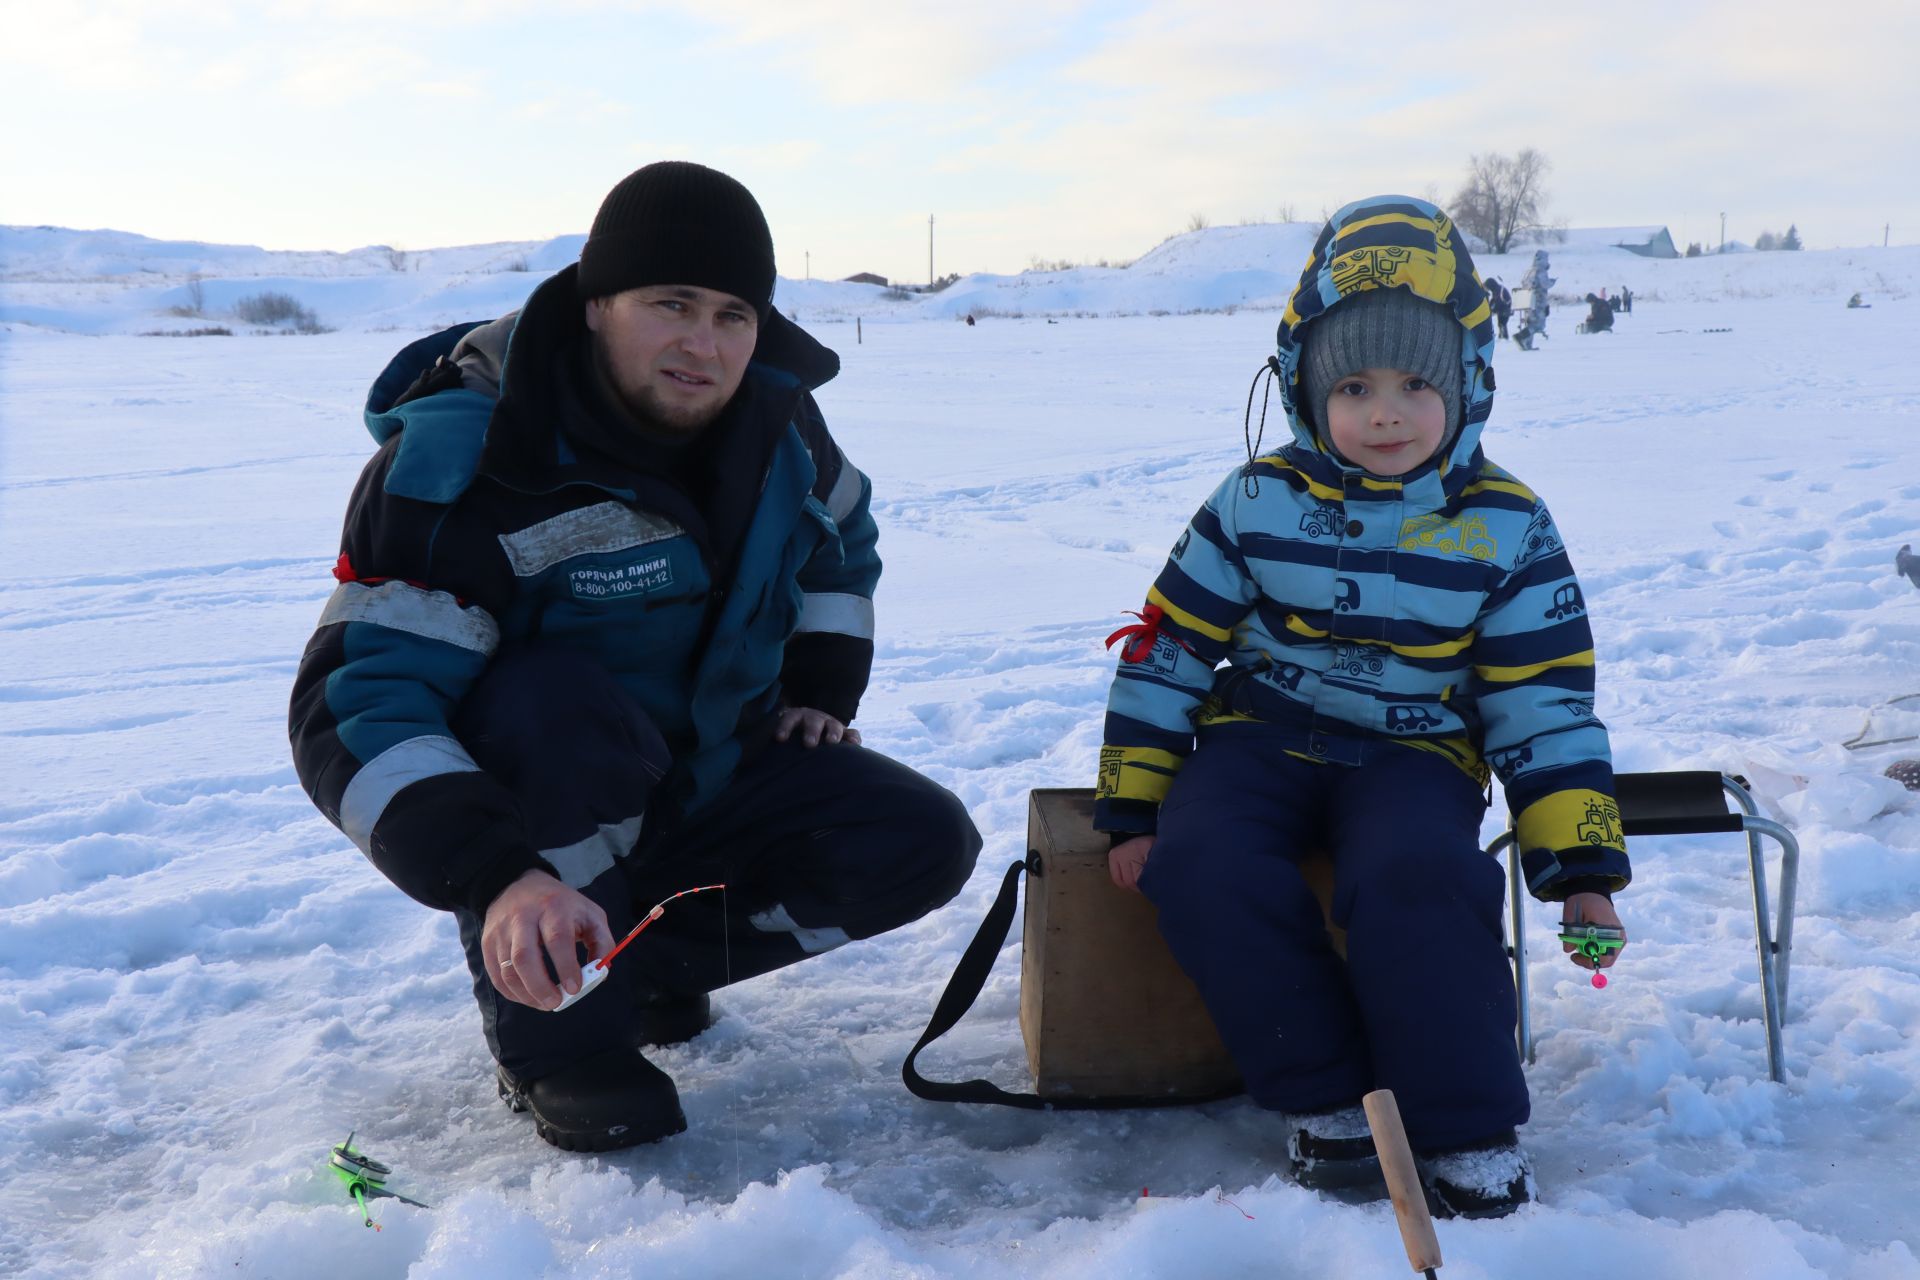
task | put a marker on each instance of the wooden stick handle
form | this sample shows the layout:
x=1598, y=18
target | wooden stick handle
x=1403, y=1179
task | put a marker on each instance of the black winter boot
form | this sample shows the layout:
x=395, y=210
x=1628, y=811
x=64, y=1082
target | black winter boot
x=1332, y=1150
x=1485, y=1179
x=611, y=1100
x=662, y=1020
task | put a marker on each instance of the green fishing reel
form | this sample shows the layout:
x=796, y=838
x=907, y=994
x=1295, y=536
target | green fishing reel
x=1594, y=941
x=364, y=1178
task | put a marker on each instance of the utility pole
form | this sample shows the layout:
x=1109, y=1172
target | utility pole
x=809, y=264
x=929, y=251
x=1723, y=233
x=1885, y=232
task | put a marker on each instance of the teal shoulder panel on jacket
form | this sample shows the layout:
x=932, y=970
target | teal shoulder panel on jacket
x=440, y=445
x=381, y=417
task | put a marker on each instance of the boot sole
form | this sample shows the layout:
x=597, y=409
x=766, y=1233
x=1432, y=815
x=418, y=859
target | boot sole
x=1448, y=1201
x=1349, y=1179
x=1335, y=1164
x=612, y=1138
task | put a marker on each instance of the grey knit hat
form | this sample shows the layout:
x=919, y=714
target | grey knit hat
x=1386, y=328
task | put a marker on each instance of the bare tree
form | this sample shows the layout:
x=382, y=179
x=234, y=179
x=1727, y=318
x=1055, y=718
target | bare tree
x=196, y=303
x=1502, y=196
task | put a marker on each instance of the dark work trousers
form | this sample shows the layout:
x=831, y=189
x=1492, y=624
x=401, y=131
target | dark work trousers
x=1424, y=1003
x=817, y=846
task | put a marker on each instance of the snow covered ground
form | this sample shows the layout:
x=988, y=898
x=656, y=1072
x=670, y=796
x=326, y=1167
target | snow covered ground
x=202, y=986
x=103, y=282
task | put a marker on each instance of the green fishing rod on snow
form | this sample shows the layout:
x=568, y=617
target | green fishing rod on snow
x=364, y=1179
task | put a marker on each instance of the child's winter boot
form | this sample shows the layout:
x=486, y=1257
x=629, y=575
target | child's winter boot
x=1485, y=1179
x=1332, y=1149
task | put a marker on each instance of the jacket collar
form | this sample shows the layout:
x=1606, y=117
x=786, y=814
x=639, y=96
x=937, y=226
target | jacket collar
x=517, y=353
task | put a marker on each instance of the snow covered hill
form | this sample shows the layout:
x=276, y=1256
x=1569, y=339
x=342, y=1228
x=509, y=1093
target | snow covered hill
x=114, y=282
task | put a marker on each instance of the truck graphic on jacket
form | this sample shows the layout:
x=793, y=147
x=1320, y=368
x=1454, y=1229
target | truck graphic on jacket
x=1323, y=522
x=1601, y=824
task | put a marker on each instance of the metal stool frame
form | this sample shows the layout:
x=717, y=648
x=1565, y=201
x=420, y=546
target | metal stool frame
x=1687, y=803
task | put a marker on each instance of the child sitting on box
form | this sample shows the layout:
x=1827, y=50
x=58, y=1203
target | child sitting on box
x=1395, y=614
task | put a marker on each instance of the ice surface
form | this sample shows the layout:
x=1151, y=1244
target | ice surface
x=203, y=986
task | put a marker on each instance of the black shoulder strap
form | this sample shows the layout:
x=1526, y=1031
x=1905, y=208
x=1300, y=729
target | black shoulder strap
x=442, y=375
x=969, y=976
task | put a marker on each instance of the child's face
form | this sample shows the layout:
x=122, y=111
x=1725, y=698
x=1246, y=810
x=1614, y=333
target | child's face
x=1387, y=421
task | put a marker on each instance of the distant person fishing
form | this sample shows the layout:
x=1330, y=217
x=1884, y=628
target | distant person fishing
x=1599, y=315
x=1500, y=298
x=1532, y=303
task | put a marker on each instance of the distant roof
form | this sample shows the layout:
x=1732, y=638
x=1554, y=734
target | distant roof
x=1603, y=237
x=1649, y=242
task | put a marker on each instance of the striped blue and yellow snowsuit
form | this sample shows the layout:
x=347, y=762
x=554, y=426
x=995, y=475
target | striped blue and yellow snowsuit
x=1334, y=661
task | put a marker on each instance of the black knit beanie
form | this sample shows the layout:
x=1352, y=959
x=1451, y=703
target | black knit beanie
x=1385, y=328
x=679, y=223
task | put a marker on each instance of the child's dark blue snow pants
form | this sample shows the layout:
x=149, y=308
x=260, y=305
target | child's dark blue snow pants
x=1423, y=1005
x=817, y=846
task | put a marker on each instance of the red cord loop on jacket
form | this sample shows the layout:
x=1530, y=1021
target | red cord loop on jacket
x=1140, y=636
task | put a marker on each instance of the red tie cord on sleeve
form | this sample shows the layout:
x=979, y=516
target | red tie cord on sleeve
x=343, y=571
x=1140, y=636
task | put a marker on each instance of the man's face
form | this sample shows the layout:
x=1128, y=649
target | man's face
x=675, y=353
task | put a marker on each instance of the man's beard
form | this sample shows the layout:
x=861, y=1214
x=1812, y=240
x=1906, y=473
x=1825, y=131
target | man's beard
x=648, y=410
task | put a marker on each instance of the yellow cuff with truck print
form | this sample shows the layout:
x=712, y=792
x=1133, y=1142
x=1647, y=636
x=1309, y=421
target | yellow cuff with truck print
x=1569, y=819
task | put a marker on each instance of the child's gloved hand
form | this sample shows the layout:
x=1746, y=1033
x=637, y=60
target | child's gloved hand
x=1590, y=908
x=1127, y=860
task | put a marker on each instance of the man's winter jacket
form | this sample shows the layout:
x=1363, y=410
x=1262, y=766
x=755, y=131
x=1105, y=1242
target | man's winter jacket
x=1436, y=611
x=479, y=526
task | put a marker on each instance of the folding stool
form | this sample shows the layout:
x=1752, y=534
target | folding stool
x=1688, y=802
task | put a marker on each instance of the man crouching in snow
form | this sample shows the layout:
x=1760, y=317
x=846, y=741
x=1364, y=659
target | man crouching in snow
x=605, y=614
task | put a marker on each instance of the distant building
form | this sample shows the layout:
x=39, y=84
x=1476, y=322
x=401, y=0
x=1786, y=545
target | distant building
x=1648, y=242
x=867, y=277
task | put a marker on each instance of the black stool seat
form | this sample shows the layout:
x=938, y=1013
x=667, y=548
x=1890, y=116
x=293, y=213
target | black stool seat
x=1682, y=803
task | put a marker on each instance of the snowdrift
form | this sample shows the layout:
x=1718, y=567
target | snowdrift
x=103, y=282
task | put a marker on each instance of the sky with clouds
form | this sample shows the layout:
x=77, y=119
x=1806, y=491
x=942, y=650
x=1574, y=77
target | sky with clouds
x=1029, y=129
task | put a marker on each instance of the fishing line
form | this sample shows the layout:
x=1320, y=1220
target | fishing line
x=726, y=966
x=1857, y=741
